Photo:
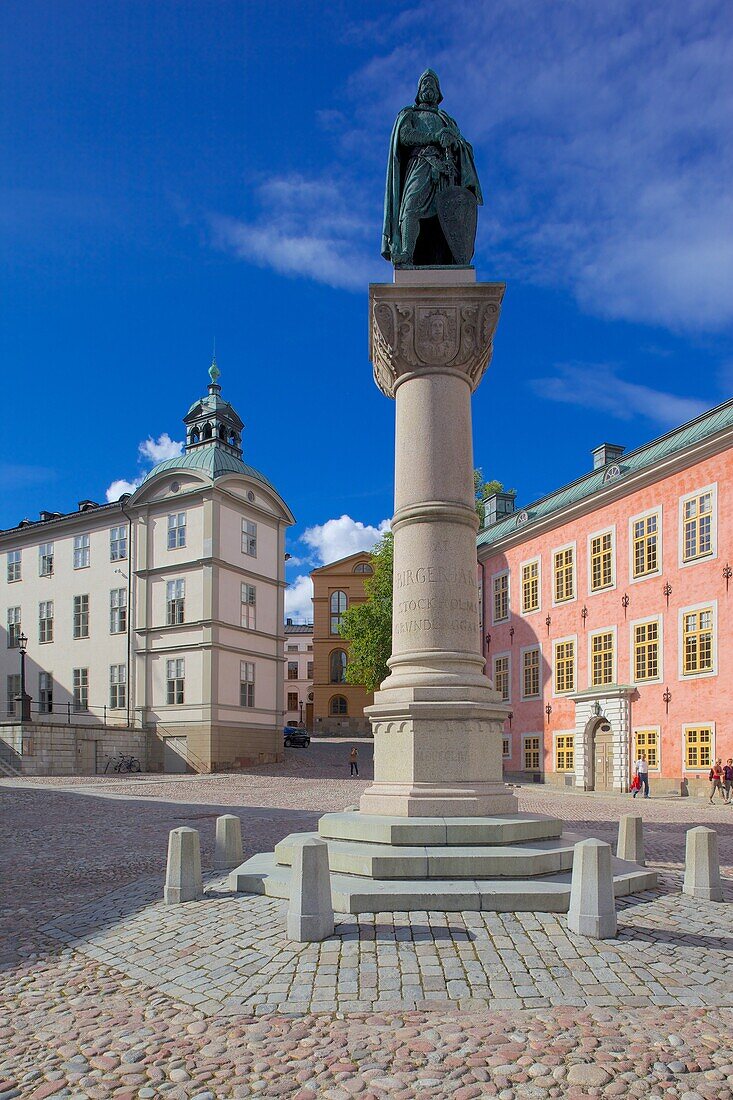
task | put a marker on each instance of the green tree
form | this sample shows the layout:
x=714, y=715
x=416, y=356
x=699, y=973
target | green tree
x=483, y=489
x=368, y=626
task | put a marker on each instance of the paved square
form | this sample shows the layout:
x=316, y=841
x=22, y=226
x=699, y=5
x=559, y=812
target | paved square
x=108, y=993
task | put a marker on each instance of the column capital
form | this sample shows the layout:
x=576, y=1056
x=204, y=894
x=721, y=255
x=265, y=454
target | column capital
x=418, y=330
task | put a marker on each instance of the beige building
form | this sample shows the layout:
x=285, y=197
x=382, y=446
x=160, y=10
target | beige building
x=298, y=674
x=160, y=613
x=338, y=707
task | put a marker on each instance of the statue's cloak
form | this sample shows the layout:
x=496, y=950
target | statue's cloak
x=396, y=167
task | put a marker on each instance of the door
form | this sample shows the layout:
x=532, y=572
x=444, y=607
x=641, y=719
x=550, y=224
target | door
x=86, y=758
x=603, y=757
x=309, y=716
x=175, y=755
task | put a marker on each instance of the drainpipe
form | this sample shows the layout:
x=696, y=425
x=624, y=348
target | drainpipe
x=129, y=610
x=483, y=606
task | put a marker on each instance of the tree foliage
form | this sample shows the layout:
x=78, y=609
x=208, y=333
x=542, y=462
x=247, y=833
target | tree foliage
x=368, y=626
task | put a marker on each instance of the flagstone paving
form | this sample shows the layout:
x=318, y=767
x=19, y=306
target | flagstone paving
x=108, y=993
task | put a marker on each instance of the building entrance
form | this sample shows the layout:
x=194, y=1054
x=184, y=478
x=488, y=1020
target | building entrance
x=602, y=756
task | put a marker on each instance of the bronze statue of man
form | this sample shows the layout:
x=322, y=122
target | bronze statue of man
x=432, y=187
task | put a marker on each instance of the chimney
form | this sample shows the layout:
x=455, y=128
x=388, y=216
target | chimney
x=288, y=622
x=497, y=506
x=605, y=454
x=44, y=516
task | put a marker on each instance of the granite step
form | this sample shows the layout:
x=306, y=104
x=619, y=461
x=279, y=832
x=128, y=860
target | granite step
x=353, y=894
x=380, y=861
x=419, y=831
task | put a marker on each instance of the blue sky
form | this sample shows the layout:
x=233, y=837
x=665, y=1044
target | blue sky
x=171, y=172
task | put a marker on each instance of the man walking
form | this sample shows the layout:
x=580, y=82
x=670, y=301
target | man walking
x=354, y=761
x=641, y=767
x=728, y=779
x=716, y=778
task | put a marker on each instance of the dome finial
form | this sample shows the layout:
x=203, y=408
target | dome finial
x=214, y=372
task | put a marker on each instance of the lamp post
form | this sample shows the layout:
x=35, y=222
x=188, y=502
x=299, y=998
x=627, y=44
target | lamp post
x=25, y=700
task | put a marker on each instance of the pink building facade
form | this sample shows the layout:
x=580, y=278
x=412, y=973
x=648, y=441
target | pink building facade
x=605, y=615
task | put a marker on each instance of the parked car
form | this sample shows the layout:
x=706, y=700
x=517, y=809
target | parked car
x=294, y=735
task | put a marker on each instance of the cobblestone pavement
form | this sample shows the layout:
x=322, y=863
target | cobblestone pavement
x=108, y=993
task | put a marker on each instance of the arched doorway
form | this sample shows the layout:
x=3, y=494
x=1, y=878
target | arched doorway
x=599, y=738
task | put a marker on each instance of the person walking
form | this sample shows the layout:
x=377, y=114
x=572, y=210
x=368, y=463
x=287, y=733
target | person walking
x=354, y=761
x=716, y=778
x=641, y=768
x=728, y=779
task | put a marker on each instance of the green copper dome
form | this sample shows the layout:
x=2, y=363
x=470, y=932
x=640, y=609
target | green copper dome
x=210, y=459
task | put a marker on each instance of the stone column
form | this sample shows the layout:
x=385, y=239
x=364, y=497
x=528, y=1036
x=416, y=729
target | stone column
x=436, y=719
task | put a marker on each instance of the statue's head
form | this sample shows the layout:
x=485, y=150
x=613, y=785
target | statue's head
x=428, y=89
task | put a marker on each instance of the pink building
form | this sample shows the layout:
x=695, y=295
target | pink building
x=606, y=619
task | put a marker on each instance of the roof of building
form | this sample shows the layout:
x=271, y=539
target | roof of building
x=298, y=628
x=645, y=457
x=85, y=509
x=210, y=459
x=332, y=565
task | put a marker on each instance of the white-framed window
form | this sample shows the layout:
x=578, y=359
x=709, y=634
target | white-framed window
x=500, y=597
x=118, y=543
x=645, y=545
x=338, y=706
x=249, y=607
x=530, y=573
x=531, y=657
x=117, y=687
x=176, y=530
x=564, y=655
x=503, y=676
x=45, y=621
x=338, y=603
x=337, y=663
x=647, y=739
x=646, y=650
x=81, y=617
x=45, y=559
x=309, y=672
x=698, y=525
x=698, y=640
x=602, y=560
x=602, y=657
x=293, y=701
x=532, y=752
x=118, y=610
x=698, y=746
x=14, y=566
x=292, y=670
x=292, y=649
x=246, y=684
x=81, y=552
x=249, y=538
x=363, y=567
x=81, y=689
x=564, y=586
x=175, y=674
x=175, y=601
x=564, y=752
x=45, y=692
x=506, y=746
x=14, y=629
x=12, y=685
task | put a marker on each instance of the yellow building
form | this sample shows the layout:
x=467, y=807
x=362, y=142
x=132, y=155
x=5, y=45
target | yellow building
x=338, y=707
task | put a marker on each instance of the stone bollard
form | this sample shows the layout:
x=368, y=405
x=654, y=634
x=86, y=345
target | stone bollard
x=310, y=913
x=183, y=880
x=702, y=866
x=228, y=849
x=631, y=839
x=592, y=906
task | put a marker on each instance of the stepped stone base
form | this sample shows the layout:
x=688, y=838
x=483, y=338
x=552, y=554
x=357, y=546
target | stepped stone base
x=516, y=863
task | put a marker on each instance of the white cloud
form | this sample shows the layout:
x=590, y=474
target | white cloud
x=119, y=488
x=598, y=386
x=298, y=599
x=158, y=450
x=314, y=227
x=150, y=451
x=337, y=538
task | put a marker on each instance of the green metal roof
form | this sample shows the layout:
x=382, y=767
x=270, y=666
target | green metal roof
x=709, y=424
x=210, y=459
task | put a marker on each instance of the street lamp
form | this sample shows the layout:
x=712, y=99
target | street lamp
x=25, y=700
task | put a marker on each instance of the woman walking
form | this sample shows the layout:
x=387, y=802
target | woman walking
x=354, y=761
x=716, y=778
